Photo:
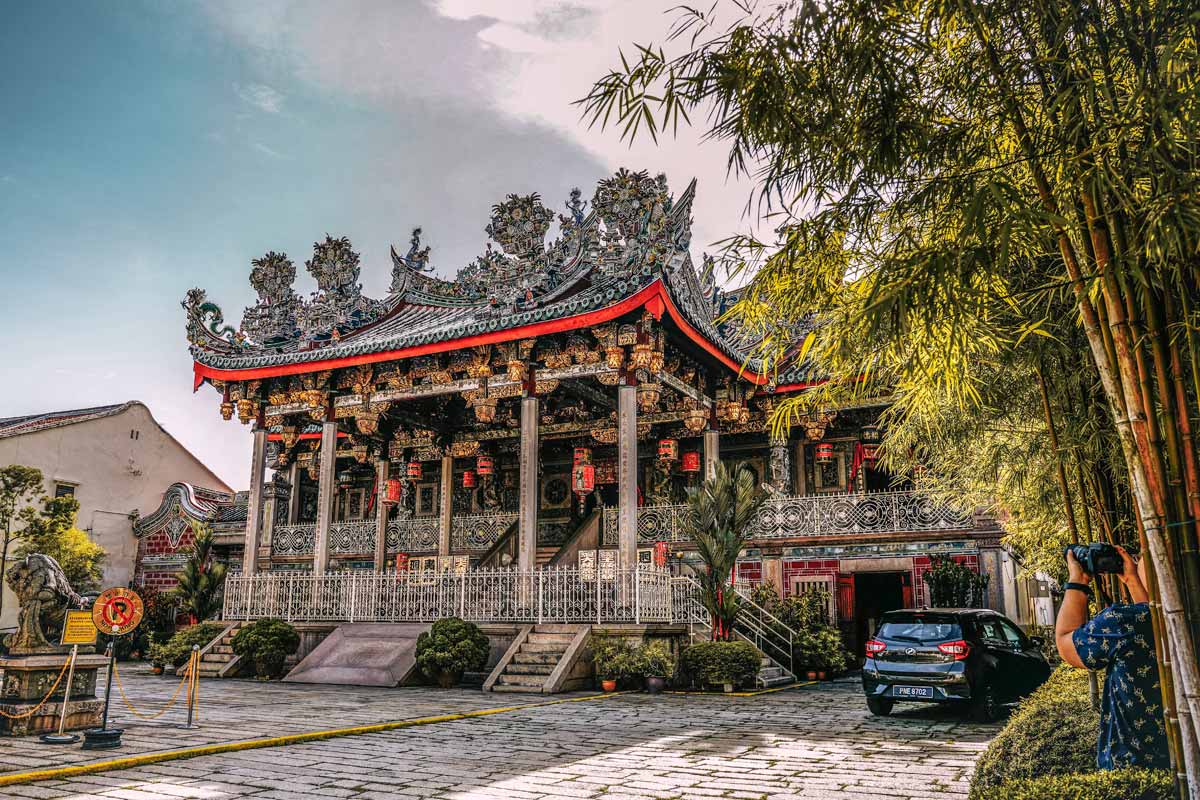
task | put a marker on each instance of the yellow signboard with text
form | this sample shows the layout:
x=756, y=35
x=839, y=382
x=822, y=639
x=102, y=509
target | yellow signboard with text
x=78, y=628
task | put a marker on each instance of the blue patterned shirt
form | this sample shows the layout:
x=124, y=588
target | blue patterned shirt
x=1119, y=640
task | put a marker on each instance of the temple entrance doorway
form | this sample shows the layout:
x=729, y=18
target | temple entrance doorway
x=875, y=593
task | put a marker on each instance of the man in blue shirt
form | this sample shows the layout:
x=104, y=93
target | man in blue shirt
x=1120, y=641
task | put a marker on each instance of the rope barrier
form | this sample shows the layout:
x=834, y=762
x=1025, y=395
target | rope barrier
x=34, y=710
x=187, y=677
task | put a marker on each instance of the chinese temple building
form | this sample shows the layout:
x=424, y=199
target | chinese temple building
x=541, y=414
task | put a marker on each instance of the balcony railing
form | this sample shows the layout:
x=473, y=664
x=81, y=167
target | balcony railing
x=821, y=515
x=551, y=595
x=413, y=535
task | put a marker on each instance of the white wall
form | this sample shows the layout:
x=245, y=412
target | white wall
x=115, y=473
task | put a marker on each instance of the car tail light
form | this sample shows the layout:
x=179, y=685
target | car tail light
x=875, y=647
x=959, y=649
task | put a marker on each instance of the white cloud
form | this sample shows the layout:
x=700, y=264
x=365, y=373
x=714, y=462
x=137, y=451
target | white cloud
x=269, y=151
x=260, y=96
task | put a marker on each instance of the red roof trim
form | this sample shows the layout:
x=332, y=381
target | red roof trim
x=654, y=297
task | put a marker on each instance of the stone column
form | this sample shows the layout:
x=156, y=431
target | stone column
x=381, y=513
x=712, y=453
x=258, y=463
x=293, y=511
x=527, y=506
x=627, y=508
x=781, y=467
x=275, y=496
x=446, y=505
x=326, y=491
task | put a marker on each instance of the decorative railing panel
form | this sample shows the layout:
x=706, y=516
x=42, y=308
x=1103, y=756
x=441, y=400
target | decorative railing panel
x=413, y=535
x=529, y=596
x=294, y=540
x=821, y=515
x=352, y=537
x=477, y=532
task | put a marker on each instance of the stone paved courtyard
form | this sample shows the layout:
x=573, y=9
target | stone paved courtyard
x=812, y=742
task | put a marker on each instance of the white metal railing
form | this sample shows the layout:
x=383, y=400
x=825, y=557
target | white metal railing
x=818, y=515
x=753, y=623
x=504, y=595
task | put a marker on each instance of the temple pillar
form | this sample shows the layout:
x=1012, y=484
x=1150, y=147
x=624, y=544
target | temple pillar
x=627, y=499
x=712, y=453
x=326, y=491
x=527, y=507
x=276, y=496
x=446, y=505
x=381, y=513
x=293, y=510
x=258, y=464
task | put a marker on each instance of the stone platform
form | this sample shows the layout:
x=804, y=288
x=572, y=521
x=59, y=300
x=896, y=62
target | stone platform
x=27, y=678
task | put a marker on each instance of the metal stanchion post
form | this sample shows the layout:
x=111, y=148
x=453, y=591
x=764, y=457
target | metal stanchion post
x=62, y=737
x=194, y=676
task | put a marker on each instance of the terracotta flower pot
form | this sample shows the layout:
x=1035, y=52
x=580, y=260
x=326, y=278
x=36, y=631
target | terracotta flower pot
x=608, y=685
x=655, y=685
x=156, y=669
x=822, y=675
x=811, y=675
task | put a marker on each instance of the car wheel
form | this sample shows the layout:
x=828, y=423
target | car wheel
x=985, y=705
x=880, y=706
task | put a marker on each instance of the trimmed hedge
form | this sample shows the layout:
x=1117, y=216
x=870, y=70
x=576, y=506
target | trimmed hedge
x=266, y=643
x=1053, y=732
x=451, y=647
x=711, y=663
x=1120, y=784
x=176, y=650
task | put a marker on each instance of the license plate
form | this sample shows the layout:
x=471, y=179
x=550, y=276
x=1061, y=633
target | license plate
x=924, y=692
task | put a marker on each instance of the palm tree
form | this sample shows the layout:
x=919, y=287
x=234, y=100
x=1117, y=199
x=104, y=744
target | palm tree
x=201, y=579
x=721, y=512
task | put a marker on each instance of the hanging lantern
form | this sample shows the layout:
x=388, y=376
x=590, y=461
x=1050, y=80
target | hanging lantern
x=401, y=562
x=647, y=395
x=694, y=419
x=485, y=409
x=870, y=454
x=484, y=465
x=584, y=479
x=393, y=491
x=583, y=455
x=691, y=461
x=825, y=453
x=871, y=434
x=668, y=449
x=414, y=470
x=660, y=554
x=469, y=479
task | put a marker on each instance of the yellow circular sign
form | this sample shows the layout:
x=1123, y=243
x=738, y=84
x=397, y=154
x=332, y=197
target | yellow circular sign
x=117, y=611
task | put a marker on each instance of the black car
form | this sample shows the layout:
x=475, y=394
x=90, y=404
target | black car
x=970, y=656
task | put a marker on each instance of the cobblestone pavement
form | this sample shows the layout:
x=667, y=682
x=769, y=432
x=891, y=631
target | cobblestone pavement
x=814, y=743
x=234, y=710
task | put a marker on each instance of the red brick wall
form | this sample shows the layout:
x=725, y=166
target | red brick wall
x=159, y=544
x=792, y=567
x=921, y=565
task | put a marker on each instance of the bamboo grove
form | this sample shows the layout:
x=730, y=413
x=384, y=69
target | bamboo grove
x=990, y=213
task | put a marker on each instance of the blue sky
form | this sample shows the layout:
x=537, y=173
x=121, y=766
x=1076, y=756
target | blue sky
x=149, y=148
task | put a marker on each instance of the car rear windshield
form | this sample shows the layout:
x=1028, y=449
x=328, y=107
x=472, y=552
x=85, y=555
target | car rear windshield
x=916, y=629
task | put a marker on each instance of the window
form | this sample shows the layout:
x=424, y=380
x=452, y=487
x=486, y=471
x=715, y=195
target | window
x=64, y=490
x=1011, y=634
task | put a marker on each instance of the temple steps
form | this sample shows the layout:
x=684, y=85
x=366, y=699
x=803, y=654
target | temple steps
x=217, y=657
x=534, y=666
x=545, y=554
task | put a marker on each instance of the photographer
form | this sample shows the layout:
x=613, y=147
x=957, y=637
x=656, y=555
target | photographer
x=1120, y=641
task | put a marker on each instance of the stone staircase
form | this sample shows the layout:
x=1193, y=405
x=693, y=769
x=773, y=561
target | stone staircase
x=544, y=554
x=217, y=657
x=529, y=668
x=771, y=674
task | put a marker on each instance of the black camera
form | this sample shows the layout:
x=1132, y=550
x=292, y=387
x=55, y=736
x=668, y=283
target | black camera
x=1096, y=558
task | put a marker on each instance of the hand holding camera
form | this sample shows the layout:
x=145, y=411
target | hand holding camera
x=1087, y=560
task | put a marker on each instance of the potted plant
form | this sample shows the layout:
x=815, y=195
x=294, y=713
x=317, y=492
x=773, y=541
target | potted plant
x=611, y=659
x=157, y=655
x=724, y=664
x=266, y=643
x=451, y=647
x=655, y=663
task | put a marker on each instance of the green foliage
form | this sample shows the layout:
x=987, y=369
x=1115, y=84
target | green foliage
x=202, y=579
x=1054, y=731
x=52, y=531
x=266, y=643
x=19, y=486
x=652, y=660
x=1120, y=784
x=716, y=663
x=818, y=643
x=176, y=650
x=451, y=647
x=611, y=657
x=720, y=513
x=955, y=585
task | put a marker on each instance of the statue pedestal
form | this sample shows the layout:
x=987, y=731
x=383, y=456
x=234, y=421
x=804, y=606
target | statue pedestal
x=27, y=678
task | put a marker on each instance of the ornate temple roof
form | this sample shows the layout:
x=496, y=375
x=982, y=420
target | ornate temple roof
x=629, y=251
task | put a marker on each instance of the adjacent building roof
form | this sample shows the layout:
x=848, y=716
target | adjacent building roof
x=629, y=251
x=16, y=426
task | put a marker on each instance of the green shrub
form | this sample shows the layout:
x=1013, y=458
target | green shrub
x=955, y=585
x=1053, y=732
x=450, y=648
x=713, y=663
x=612, y=657
x=1121, y=784
x=654, y=660
x=176, y=650
x=266, y=643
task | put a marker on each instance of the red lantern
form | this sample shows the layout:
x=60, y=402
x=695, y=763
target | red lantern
x=469, y=479
x=870, y=453
x=668, y=449
x=484, y=465
x=660, y=554
x=584, y=479
x=401, y=562
x=414, y=470
x=691, y=461
x=825, y=453
x=393, y=491
x=583, y=455
x=871, y=434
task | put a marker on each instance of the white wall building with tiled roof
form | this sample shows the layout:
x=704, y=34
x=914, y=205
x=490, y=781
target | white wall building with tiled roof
x=115, y=460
